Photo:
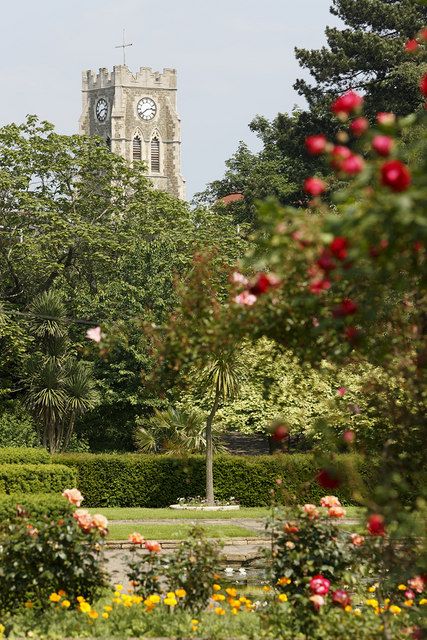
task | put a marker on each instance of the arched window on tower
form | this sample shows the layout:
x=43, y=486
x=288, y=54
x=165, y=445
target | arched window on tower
x=137, y=148
x=155, y=154
x=108, y=143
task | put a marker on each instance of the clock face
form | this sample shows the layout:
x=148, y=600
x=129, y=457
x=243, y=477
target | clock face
x=146, y=109
x=101, y=110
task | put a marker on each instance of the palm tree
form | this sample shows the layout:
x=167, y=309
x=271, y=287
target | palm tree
x=173, y=431
x=59, y=387
x=221, y=378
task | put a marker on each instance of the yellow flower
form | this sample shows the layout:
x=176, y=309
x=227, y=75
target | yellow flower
x=154, y=598
x=54, y=597
x=357, y=612
x=119, y=587
x=105, y=615
x=80, y=599
x=284, y=581
x=117, y=594
x=2, y=628
x=402, y=587
x=65, y=604
x=348, y=608
x=193, y=628
x=235, y=604
x=29, y=605
x=372, y=589
x=84, y=607
x=170, y=602
x=220, y=611
x=181, y=593
x=116, y=600
x=408, y=603
x=234, y=611
x=231, y=592
x=108, y=608
x=194, y=622
x=216, y=587
x=423, y=601
x=372, y=603
x=395, y=609
x=266, y=588
x=93, y=614
x=282, y=597
x=218, y=597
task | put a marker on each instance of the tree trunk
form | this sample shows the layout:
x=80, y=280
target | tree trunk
x=210, y=499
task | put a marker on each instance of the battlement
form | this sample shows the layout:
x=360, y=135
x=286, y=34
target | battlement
x=121, y=76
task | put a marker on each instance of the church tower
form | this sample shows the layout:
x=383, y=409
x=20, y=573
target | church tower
x=136, y=116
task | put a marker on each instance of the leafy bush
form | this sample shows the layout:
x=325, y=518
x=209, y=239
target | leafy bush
x=41, y=555
x=36, y=505
x=35, y=478
x=23, y=455
x=193, y=568
x=17, y=428
x=133, y=480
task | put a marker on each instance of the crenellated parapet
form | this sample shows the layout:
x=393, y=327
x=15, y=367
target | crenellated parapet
x=121, y=75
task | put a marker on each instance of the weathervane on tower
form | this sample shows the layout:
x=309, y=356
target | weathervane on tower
x=123, y=46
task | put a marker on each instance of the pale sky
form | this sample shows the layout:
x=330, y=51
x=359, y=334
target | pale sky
x=234, y=59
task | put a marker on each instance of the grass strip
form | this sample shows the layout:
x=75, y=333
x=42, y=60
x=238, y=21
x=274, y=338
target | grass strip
x=176, y=532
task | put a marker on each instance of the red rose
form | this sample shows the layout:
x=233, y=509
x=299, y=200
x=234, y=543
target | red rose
x=315, y=145
x=411, y=45
x=317, y=286
x=352, y=165
x=319, y=585
x=346, y=308
x=338, y=247
x=359, y=126
x=347, y=103
x=351, y=334
x=341, y=597
x=382, y=145
x=423, y=34
x=325, y=261
x=423, y=85
x=395, y=174
x=376, y=525
x=281, y=432
x=314, y=186
x=327, y=480
x=338, y=154
x=348, y=436
x=263, y=283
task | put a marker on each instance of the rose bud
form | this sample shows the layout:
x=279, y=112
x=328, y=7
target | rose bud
x=395, y=174
x=316, y=145
x=383, y=145
x=359, y=126
x=314, y=186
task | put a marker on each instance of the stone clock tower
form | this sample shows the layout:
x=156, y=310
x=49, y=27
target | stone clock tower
x=136, y=116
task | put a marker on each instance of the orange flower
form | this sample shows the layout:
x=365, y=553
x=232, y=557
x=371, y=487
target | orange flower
x=136, y=538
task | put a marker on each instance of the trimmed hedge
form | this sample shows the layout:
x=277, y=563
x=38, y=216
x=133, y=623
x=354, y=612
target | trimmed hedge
x=23, y=455
x=36, y=478
x=36, y=505
x=137, y=480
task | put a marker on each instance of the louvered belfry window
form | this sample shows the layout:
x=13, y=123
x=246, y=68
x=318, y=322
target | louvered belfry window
x=155, y=155
x=137, y=148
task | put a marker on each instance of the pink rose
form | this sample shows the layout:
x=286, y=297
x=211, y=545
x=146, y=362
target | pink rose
x=84, y=519
x=311, y=510
x=245, y=298
x=318, y=601
x=330, y=501
x=73, y=496
x=94, y=334
x=238, y=278
x=336, y=512
x=319, y=585
x=100, y=522
x=357, y=540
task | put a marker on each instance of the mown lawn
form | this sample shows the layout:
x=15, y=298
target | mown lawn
x=176, y=532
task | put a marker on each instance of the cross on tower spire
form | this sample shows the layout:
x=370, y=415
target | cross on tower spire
x=123, y=46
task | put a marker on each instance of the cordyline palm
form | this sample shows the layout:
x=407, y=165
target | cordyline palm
x=59, y=387
x=221, y=378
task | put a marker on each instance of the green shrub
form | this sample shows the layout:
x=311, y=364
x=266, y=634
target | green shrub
x=41, y=555
x=17, y=428
x=36, y=478
x=36, y=505
x=23, y=455
x=137, y=480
